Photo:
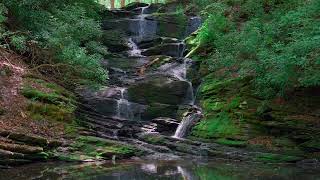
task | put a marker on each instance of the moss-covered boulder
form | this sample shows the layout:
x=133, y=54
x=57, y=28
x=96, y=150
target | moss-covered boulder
x=159, y=89
x=115, y=40
x=135, y=5
x=155, y=110
x=89, y=148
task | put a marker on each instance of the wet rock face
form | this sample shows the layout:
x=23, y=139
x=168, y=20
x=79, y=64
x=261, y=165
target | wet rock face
x=159, y=89
x=161, y=24
x=166, y=125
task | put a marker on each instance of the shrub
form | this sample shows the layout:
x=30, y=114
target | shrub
x=277, y=42
x=66, y=31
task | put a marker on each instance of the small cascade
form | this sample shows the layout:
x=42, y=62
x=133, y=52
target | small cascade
x=184, y=173
x=146, y=27
x=123, y=106
x=187, y=122
x=134, y=50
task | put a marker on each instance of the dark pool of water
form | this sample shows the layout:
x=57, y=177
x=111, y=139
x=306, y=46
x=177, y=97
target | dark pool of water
x=161, y=170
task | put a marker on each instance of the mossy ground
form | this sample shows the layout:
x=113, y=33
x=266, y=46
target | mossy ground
x=49, y=101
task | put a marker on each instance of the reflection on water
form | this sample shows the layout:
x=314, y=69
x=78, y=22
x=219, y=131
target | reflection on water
x=217, y=170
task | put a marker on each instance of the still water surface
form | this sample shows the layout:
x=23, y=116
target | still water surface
x=161, y=170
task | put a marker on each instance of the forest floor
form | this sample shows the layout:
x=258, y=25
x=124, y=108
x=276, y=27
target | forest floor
x=14, y=116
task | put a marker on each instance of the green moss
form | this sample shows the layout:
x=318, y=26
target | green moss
x=98, y=148
x=235, y=103
x=154, y=139
x=169, y=29
x=229, y=142
x=313, y=145
x=210, y=105
x=159, y=110
x=49, y=101
x=52, y=98
x=276, y=158
x=219, y=125
x=40, y=111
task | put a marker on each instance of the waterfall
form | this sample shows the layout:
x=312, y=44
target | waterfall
x=187, y=122
x=123, y=106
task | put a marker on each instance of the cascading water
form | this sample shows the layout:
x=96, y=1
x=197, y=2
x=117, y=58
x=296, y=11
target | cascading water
x=187, y=122
x=123, y=106
x=134, y=50
x=147, y=43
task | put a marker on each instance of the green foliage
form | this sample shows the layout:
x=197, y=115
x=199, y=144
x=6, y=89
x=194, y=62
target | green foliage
x=69, y=31
x=277, y=42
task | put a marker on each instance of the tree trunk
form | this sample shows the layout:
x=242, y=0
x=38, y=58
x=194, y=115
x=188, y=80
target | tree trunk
x=112, y=4
x=123, y=3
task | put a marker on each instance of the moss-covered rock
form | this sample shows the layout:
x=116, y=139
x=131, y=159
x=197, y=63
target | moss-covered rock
x=159, y=89
x=134, y=5
x=236, y=116
x=93, y=148
x=115, y=40
x=155, y=110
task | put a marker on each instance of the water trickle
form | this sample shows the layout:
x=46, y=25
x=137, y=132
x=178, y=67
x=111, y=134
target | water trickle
x=190, y=99
x=182, y=48
x=187, y=122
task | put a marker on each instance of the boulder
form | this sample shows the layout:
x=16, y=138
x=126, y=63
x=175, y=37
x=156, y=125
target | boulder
x=168, y=49
x=166, y=125
x=115, y=40
x=117, y=13
x=135, y=5
x=155, y=110
x=158, y=89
